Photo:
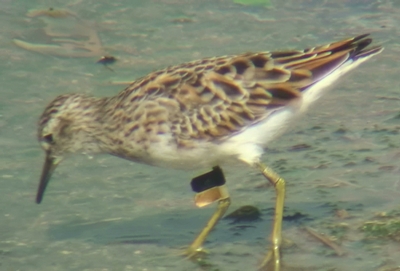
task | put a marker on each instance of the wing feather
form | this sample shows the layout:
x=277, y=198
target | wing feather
x=217, y=97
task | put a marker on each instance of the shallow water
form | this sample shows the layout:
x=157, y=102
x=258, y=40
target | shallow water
x=104, y=213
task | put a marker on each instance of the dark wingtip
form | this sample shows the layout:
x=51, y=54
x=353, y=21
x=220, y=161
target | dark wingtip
x=361, y=42
x=361, y=47
x=360, y=37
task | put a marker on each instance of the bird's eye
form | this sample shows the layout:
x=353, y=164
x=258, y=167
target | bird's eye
x=48, y=138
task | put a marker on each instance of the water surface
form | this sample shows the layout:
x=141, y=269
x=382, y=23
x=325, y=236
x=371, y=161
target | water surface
x=103, y=213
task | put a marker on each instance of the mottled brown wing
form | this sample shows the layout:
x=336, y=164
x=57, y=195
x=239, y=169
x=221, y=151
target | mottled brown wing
x=217, y=97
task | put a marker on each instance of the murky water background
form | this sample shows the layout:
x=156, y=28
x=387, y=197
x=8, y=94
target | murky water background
x=104, y=213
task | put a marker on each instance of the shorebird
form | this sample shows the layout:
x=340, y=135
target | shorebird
x=200, y=114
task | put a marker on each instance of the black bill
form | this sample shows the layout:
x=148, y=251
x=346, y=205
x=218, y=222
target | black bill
x=50, y=164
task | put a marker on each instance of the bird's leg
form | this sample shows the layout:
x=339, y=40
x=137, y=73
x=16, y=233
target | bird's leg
x=195, y=249
x=210, y=187
x=272, y=260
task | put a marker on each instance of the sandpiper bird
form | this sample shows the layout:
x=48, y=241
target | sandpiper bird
x=200, y=114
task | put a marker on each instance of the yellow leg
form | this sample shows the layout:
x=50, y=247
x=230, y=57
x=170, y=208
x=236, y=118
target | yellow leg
x=195, y=249
x=272, y=260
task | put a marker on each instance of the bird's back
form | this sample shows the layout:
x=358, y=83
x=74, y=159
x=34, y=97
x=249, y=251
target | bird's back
x=215, y=98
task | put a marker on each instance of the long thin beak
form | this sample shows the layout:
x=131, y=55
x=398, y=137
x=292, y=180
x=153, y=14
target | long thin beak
x=50, y=163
